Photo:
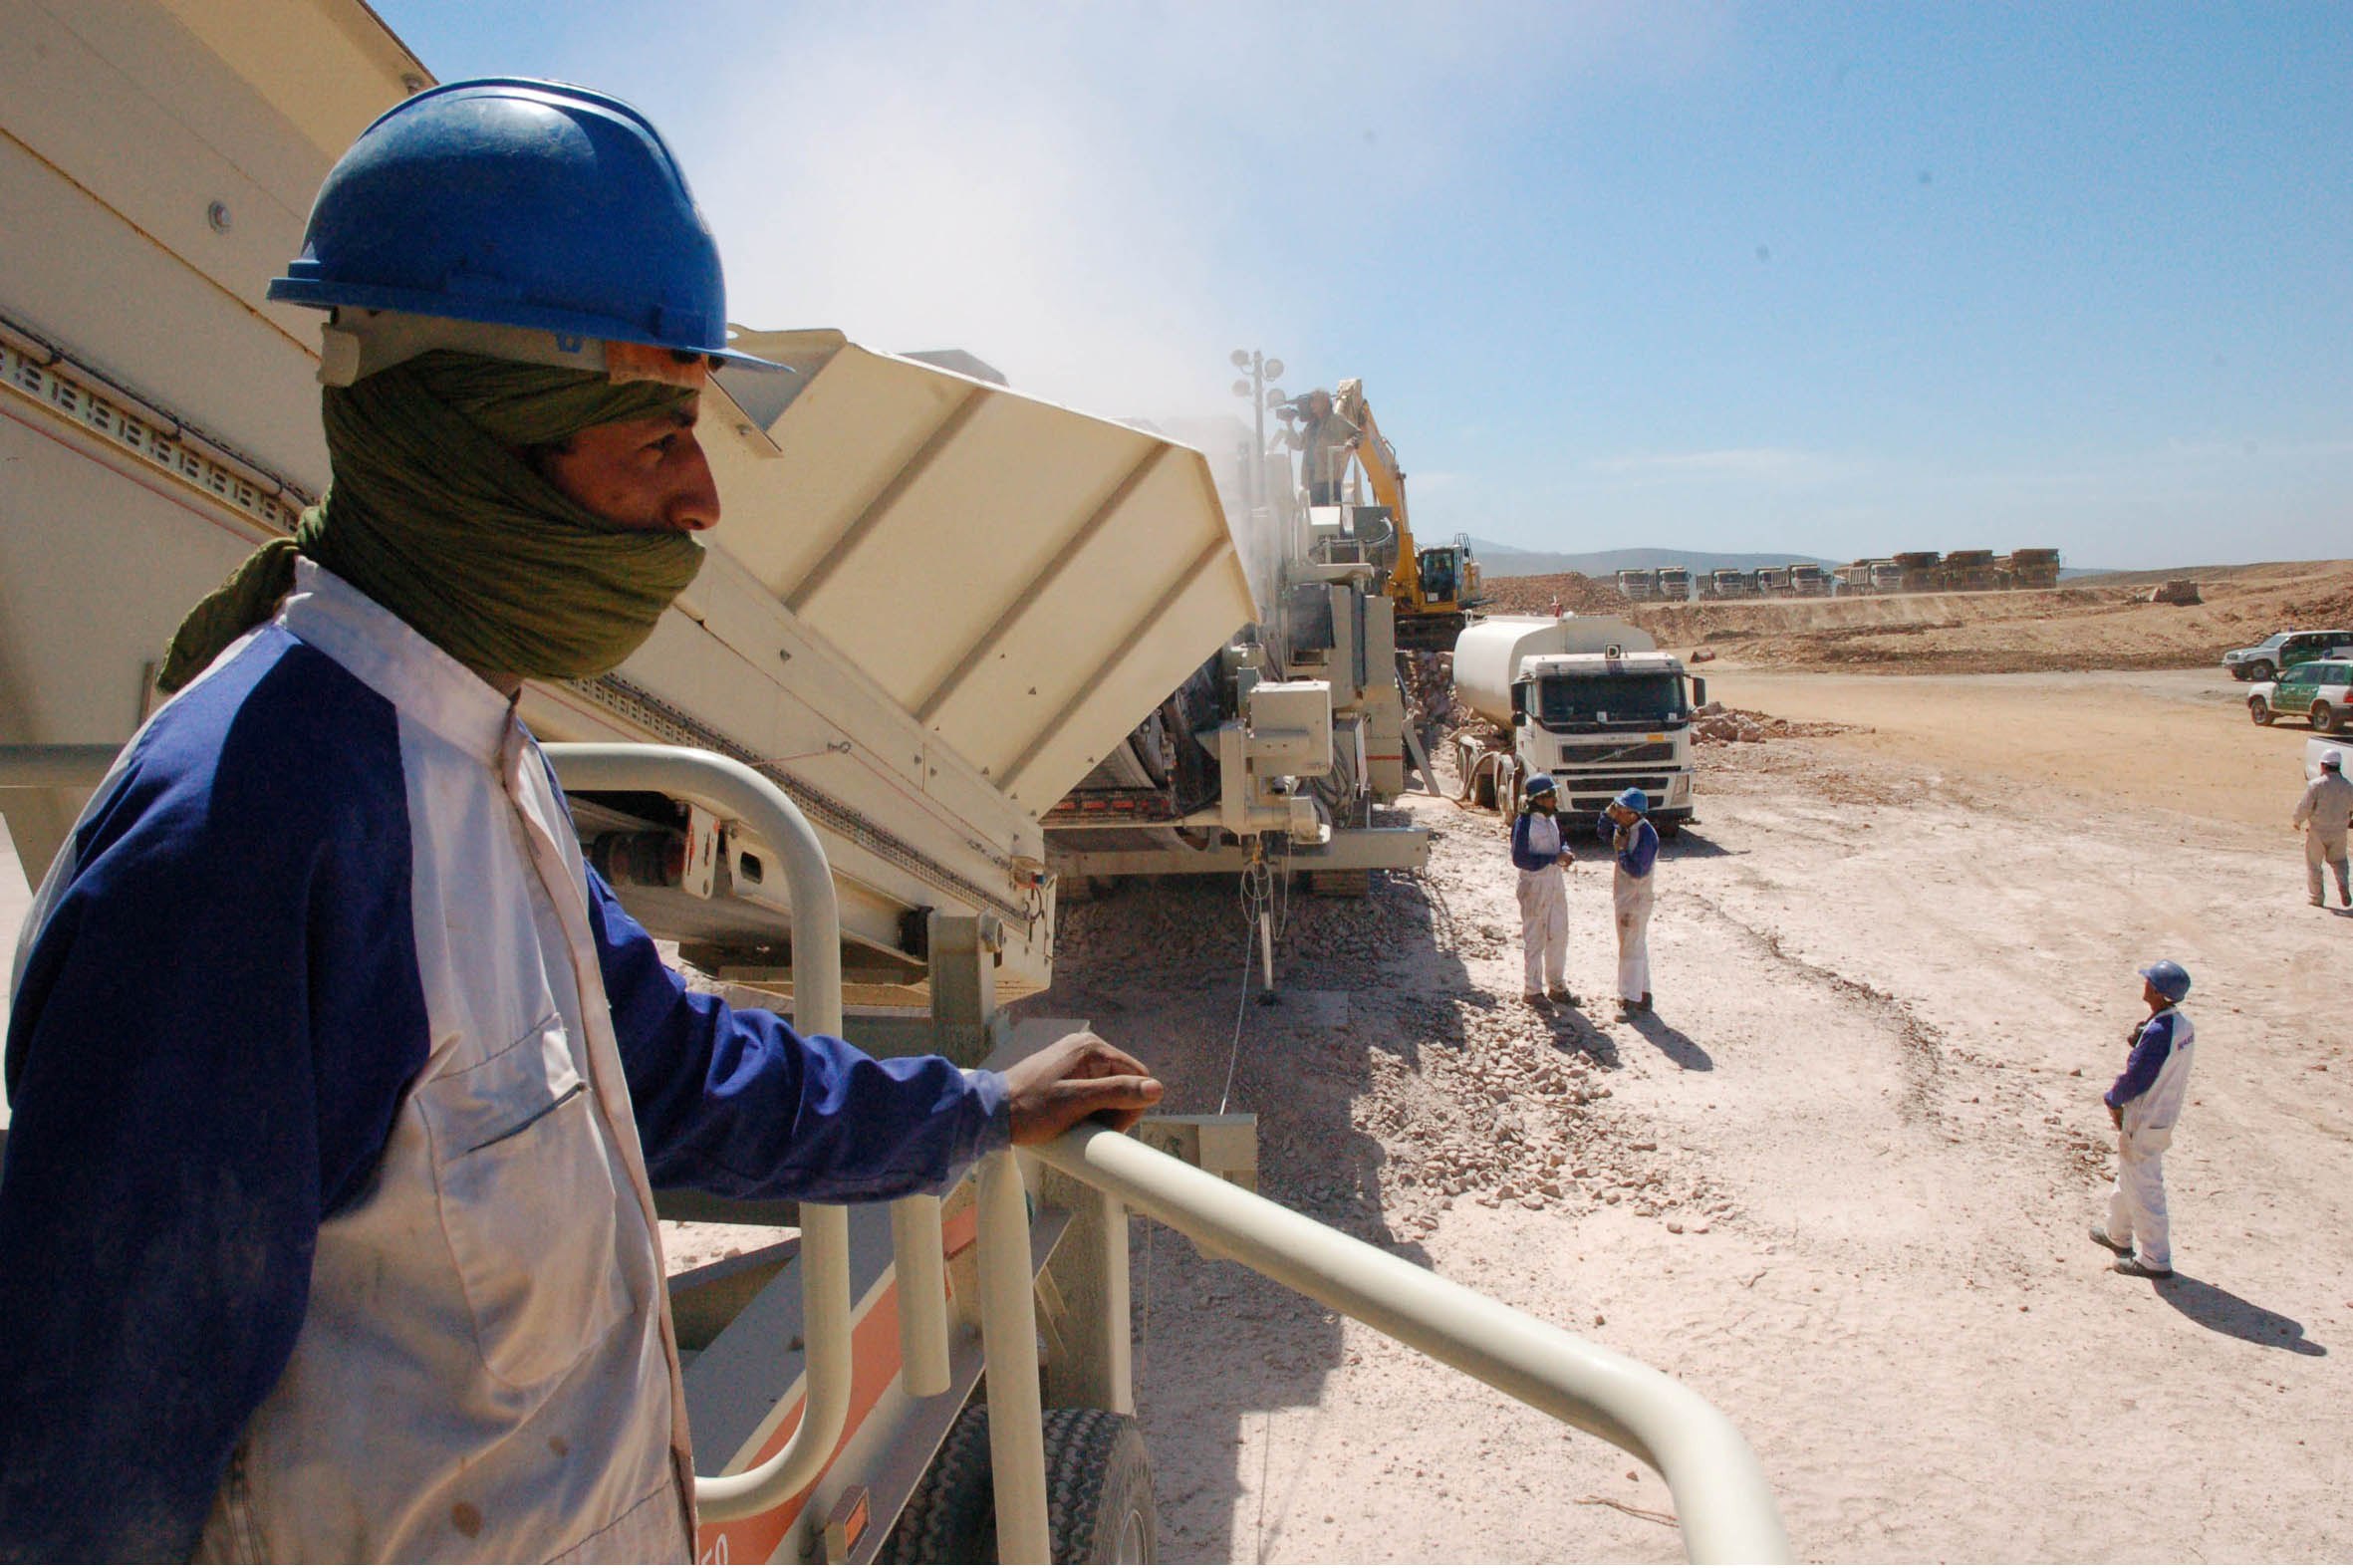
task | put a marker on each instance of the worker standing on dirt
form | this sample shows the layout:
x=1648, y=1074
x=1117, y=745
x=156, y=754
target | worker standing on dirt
x=2323, y=814
x=2144, y=1104
x=1540, y=853
x=1324, y=441
x=1632, y=892
x=341, y=1084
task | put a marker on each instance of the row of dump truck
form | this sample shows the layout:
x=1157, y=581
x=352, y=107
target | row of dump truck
x=1964, y=571
x=1673, y=584
x=1914, y=572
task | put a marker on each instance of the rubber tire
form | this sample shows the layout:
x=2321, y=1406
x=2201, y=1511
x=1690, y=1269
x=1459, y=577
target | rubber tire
x=2261, y=670
x=951, y=1517
x=1098, y=1484
x=1668, y=832
x=2260, y=710
x=1098, y=1488
x=2324, y=718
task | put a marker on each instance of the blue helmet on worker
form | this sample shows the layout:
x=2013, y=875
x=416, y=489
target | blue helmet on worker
x=1541, y=784
x=2167, y=978
x=1633, y=800
x=522, y=219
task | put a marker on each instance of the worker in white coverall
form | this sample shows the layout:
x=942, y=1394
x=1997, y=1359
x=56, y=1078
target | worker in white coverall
x=2144, y=1103
x=1632, y=892
x=1539, y=850
x=2324, y=813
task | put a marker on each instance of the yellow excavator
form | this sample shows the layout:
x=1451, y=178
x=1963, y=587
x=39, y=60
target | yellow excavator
x=1430, y=587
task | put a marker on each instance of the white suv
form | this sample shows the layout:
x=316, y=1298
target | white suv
x=2319, y=689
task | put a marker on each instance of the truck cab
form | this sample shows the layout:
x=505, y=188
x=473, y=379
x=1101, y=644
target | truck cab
x=1602, y=722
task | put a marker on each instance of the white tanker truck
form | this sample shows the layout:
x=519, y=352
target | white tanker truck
x=1589, y=699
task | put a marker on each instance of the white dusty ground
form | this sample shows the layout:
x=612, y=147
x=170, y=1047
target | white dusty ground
x=1839, y=1184
x=1881, y=963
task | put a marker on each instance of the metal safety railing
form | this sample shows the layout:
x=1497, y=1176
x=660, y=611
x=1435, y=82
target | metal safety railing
x=1722, y=1503
x=739, y=794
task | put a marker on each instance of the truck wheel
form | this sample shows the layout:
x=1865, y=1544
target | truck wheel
x=1668, y=832
x=2258, y=710
x=1099, y=1504
x=951, y=1517
x=2324, y=718
x=1098, y=1488
x=2261, y=670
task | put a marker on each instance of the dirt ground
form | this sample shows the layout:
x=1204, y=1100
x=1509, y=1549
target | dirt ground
x=2093, y=623
x=1839, y=1182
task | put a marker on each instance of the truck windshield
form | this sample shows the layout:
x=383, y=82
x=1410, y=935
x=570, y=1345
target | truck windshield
x=1611, y=699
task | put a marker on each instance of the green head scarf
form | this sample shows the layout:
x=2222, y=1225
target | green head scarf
x=437, y=515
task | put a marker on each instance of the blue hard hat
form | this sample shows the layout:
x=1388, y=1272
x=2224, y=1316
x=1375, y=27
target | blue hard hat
x=1633, y=800
x=1539, y=784
x=2170, y=978
x=517, y=203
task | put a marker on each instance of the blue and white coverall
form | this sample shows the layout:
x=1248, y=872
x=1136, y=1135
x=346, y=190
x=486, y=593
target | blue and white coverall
x=2149, y=1094
x=1632, y=892
x=341, y=1088
x=1543, y=901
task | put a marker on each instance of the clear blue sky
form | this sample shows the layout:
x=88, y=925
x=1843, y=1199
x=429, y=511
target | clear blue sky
x=1832, y=280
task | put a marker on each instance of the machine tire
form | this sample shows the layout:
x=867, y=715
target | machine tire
x=951, y=1517
x=1098, y=1488
x=1668, y=832
x=2260, y=710
x=1099, y=1503
x=2261, y=670
x=2324, y=718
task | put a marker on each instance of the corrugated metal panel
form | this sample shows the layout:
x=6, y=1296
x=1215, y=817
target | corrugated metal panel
x=1028, y=581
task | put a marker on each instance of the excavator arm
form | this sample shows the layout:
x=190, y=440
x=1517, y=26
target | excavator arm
x=1388, y=481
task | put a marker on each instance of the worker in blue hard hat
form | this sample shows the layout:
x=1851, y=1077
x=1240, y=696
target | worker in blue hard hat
x=2144, y=1104
x=1539, y=850
x=1632, y=892
x=341, y=1084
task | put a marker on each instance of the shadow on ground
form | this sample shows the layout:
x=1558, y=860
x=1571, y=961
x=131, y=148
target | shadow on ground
x=1691, y=846
x=1158, y=969
x=1677, y=1046
x=2210, y=1306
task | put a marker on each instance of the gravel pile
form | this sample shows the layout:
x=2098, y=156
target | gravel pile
x=1397, y=1076
x=1718, y=725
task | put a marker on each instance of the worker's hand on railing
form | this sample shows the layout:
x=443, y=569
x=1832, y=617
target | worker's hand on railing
x=1077, y=1077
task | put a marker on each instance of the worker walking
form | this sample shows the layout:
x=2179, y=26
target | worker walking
x=2144, y=1103
x=2324, y=813
x=1632, y=892
x=1539, y=850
